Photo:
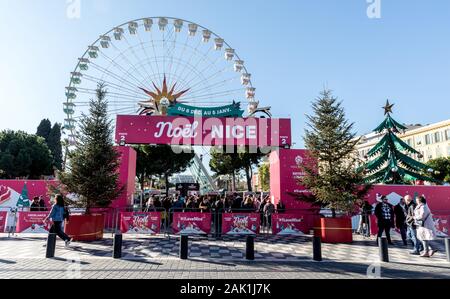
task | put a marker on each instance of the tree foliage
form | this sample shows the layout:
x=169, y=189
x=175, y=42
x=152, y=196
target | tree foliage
x=333, y=180
x=161, y=160
x=24, y=155
x=223, y=163
x=55, y=146
x=44, y=129
x=93, y=172
x=440, y=169
x=264, y=177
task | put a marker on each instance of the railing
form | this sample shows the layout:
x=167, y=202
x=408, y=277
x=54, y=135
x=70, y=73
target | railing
x=192, y=222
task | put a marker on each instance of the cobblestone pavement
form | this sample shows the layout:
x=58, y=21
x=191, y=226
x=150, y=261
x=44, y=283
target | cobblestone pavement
x=157, y=257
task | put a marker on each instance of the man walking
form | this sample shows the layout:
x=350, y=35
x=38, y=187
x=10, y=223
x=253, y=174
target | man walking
x=384, y=212
x=400, y=219
x=411, y=230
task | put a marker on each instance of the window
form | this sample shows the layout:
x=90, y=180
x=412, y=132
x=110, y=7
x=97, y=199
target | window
x=428, y=139
x=419, y=140
x=437, y=137
x=447, y=134
x=409, y=142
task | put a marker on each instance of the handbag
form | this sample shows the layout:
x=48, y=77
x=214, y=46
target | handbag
x=421, y=223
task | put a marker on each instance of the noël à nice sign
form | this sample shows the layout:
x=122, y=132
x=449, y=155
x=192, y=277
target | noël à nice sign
x=257, y=132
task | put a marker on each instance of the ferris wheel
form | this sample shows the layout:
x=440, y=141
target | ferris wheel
x=151, y=64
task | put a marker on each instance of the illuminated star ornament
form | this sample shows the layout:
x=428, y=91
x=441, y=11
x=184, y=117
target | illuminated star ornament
x=388, y=108
x=160, y=99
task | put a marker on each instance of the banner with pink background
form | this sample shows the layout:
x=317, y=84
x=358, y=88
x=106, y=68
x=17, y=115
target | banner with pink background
x=191, y=223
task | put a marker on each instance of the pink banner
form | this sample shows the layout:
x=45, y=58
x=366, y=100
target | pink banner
x=191, y=223
x=261, y=132
x=289, y=225
x=140, y=223
x=3, y=216
x=241, y=224
x=20, y=193
x=442, y=223
x=32, y=223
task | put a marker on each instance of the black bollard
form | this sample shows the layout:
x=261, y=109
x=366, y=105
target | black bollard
x=317, y=249
x=447, y=249
x=117, y=246
x=384, y=252
x=184, y=247
x=250, y=248
x=51, y=245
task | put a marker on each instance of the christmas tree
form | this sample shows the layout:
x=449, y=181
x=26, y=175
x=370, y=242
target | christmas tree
x=24, y=200
x=94, y=163
x=390, y=159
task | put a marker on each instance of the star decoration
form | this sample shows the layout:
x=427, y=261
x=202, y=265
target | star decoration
x=152, y=105
x=388, y=108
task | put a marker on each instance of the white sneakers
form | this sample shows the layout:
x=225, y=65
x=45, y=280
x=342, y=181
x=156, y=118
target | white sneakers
x=68, y=242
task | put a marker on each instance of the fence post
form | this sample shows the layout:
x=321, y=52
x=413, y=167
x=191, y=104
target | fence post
x=447, y=248
x=117, y=246
x=250, y=248
x=51, y=245
x=384, y=252
x=184, y=247
x=317, y=249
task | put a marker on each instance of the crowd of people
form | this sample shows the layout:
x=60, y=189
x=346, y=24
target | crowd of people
x=411, y=217
x=217, y=204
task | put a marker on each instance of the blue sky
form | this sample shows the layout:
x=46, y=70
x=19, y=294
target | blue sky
x=293, y=49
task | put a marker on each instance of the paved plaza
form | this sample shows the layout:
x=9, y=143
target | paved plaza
x=22, y=256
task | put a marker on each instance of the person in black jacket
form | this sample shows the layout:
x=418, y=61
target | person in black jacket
x=281, y=207
x=400, y=211
x=35, y=206
x=384, y=212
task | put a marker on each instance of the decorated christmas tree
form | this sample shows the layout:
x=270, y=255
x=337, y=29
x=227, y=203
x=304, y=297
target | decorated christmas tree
x=390, y=160
x=24, y=200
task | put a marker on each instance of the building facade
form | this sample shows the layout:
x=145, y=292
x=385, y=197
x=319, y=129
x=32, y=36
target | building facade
x=432, y=141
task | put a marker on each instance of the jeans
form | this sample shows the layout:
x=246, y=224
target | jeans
x=403, y=232
x=385, y=225
x=412, y=235
x=57, y=229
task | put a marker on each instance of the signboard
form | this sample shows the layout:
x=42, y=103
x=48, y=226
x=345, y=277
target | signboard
x=285, y=175
x=186, y=188
x=241, y=224
x=442, y=223
x=140, y=223
x=253, y=132
x=288, y=225
x=32, y=223
x=3, y=216
x=20, y=193
x=233, y=110
x=191, y=223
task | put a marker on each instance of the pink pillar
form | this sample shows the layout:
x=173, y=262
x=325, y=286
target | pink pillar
x=127, y=175
x=284, y=176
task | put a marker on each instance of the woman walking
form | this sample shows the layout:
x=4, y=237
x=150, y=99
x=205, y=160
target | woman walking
x=426, y=230
x=57, y=215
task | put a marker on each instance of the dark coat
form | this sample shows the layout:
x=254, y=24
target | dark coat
x=379, y=215
x=400, y=216
x=281, y=207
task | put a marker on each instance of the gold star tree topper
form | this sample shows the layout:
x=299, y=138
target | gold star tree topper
x=388, y=108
